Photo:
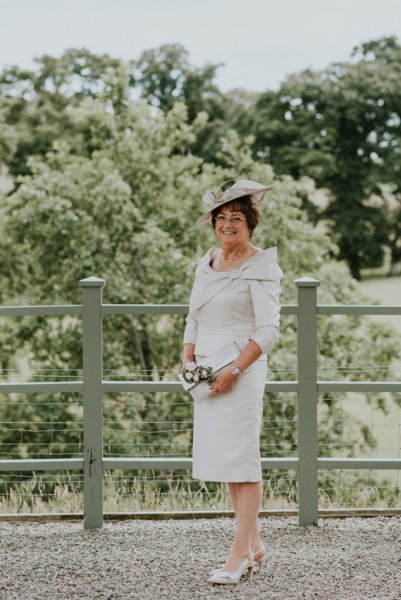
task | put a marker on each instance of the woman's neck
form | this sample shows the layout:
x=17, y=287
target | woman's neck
x=230, y=250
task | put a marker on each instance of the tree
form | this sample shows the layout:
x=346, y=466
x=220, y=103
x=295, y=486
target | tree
x=165, y=76
x=125, y=210
x=122, y=205
x=33, y=103
x=340, y=126
x=387, y=52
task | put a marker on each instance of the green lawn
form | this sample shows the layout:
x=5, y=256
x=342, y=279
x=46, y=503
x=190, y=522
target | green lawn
x=385, y=428
x=387, y=291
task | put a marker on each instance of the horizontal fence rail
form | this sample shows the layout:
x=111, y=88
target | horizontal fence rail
x=92, y=386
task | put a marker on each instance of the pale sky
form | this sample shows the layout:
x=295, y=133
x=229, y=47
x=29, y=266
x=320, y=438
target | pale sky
x=260, y=41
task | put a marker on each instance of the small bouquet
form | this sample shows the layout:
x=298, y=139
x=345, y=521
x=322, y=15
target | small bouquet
x=195, y=378
x=193, y=373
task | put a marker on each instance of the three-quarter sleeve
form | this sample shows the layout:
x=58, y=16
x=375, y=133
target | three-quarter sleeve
x=191, y=330
x=265, y=296
x=191, y=326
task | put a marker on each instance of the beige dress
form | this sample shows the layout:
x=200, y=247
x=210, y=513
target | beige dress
x=235, y=305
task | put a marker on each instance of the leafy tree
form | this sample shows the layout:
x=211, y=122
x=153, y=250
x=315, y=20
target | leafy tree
x=164, y=76
x=341, y=126
x=124, y=209
x=33, y=103
x=387, y=52
x=117, y=197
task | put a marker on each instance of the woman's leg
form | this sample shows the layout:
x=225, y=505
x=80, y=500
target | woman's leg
x=233, y=492
x=249, y=499
x=256, y=541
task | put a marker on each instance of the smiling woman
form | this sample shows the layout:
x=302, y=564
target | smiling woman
x=235, y=298
x=242, y=209
x=234, y=224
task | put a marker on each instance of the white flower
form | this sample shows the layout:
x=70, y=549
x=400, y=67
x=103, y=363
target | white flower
x=190, y=366
x=204, y=373
x=196, y=377
x=189, y=375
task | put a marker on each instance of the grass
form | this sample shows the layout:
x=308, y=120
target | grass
x=151, y=491
x=385, y=427
x=386, y=291
x=138, y=491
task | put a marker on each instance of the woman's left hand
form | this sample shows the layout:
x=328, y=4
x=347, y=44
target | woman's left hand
x=224, y=382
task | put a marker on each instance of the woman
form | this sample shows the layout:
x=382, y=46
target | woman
x=235, y=297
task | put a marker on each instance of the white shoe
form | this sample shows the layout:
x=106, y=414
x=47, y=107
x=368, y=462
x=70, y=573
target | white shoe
x=228, y=577
x=257, y=565
x=259, y=562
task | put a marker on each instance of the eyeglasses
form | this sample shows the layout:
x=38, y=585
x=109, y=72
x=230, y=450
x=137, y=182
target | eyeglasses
x=232, y=220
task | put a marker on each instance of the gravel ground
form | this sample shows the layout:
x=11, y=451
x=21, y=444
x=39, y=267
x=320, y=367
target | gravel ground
x=338, y=560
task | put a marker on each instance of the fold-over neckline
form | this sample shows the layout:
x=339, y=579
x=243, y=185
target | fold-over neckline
x=209, y=257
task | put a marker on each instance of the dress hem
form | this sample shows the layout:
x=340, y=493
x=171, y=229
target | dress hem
x=225, y=480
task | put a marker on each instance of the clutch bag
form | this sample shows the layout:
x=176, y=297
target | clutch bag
x=218, y=360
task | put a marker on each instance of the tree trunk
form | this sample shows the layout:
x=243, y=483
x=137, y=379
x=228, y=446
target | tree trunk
x=393, y=271
x=354, y=265
x=395, y=257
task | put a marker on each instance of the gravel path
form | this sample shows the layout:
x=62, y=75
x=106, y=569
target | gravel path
x=341, y=559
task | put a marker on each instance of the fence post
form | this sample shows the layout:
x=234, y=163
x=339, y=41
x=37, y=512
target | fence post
x=93, y=406
x=307, y=401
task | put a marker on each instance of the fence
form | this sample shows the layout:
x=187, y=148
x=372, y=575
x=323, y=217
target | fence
x=307, y=387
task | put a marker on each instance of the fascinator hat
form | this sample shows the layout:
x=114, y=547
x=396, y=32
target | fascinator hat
x=224, y=194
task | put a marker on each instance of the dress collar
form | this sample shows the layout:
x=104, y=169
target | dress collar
x=208, y=282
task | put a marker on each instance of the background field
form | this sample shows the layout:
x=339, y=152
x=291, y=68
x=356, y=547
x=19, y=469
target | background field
x=385, y=427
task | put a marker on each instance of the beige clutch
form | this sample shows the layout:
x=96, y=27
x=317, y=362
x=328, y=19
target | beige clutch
x=218, y=360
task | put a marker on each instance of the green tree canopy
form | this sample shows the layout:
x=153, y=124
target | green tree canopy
x=122, y=206
x=341, y=126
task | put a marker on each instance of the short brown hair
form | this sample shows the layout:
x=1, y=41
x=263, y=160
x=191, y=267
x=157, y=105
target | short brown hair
x=249, y=209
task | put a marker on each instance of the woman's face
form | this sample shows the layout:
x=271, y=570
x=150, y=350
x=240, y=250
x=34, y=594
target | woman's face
x=231, y=227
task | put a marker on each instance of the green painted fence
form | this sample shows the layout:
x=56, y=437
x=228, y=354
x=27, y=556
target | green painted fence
x=92, y=387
